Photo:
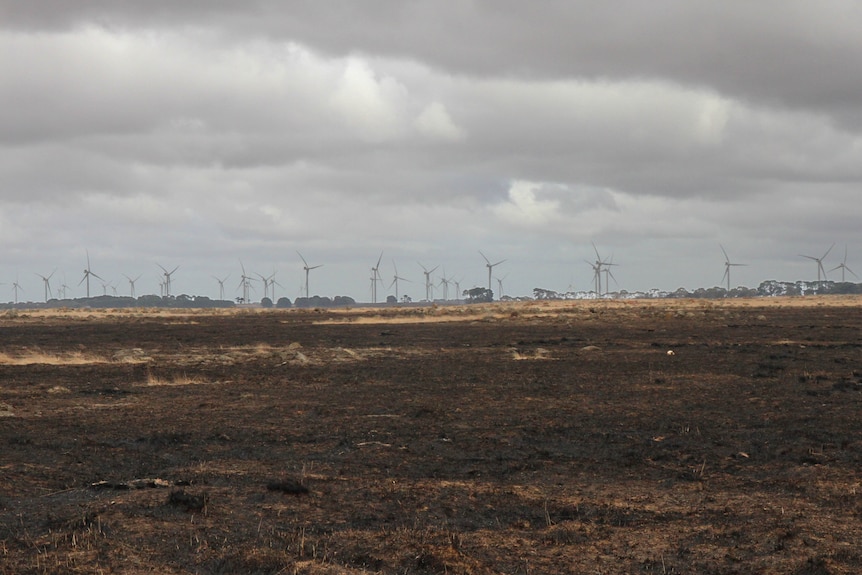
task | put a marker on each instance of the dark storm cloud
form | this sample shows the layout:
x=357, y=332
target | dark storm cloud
x=788, y=53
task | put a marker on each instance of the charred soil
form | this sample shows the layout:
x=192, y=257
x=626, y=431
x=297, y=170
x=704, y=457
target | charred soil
x=497, y=439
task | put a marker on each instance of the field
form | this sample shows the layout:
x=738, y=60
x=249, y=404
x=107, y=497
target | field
x=585, y=437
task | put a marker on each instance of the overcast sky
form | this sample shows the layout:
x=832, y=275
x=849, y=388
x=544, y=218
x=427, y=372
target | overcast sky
x=203, y=133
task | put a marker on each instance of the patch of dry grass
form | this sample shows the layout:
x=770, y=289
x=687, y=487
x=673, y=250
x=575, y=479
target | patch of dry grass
x=33, y=357
x=174, y=380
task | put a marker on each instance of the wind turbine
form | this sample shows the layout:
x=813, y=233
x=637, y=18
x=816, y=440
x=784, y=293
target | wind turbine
x=429, y=285
x=87, y=274
x=375, y=278
x=490, y=267
x=819, y=261
x=307, y=269
x=500, y=284
x=15, y=287
x=47, y=282
x=597, y=276
x=268, y=281
x=168, y=275
x=727, y=265
x=221, y=286
x=395, y=279
x=444, y=281
x=63, y=287
x=843, y=266
x=132, y=284
x=609, y=275
x=597, y=270
x=245, y=283
x=457, y=289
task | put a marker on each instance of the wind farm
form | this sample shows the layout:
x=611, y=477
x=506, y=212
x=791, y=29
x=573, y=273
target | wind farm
x=437, y=284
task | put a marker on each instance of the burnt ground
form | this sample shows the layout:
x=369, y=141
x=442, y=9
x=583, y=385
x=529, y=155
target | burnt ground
x=518, y=440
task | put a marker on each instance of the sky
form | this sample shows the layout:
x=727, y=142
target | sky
x=216, y=136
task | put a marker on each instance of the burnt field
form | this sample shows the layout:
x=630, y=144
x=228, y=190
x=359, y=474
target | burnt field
x=520, y=439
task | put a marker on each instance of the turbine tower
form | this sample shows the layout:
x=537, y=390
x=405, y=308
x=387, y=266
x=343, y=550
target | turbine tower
x=87, y=274
x=843, y=266
x=307, y=269
x=168, y=275
x=47, y=282
x=490, y=267
x=132, y=284
x=429, y=285
x=727, y=265
x=819, y=261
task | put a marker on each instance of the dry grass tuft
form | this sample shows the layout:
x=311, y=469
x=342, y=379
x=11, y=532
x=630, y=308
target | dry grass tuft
x=33, y=357
x=175, y=380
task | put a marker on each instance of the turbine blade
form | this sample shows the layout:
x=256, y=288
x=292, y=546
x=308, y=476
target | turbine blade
x=726, y=257
x=483, y=257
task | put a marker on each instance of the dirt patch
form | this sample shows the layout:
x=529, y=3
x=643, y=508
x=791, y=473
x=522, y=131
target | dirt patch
x=530, y=438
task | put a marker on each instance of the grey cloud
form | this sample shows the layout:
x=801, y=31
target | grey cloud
x=795, y=54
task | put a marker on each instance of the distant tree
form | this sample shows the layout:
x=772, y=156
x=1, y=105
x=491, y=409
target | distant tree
x=406, y=299
x=266, y=303
x=391, y=299
x=149, y=300
x=540, y=293
x=282, y=303
x=343, y=300
x=478, y=295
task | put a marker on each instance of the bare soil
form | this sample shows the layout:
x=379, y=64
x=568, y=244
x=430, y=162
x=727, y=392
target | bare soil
x=520, y=439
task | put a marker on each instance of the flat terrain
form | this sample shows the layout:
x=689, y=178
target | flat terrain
x=507, y=438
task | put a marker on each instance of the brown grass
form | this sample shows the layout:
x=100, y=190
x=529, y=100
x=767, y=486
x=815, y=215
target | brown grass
x=32, y=357
x=173, y=380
